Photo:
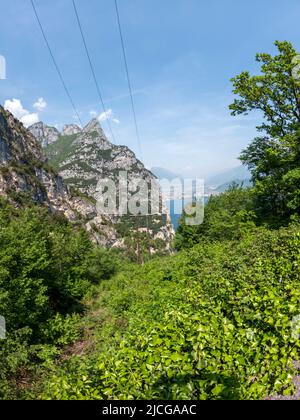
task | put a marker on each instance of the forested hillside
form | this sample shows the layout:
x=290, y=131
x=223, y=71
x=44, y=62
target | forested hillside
x=218, y=319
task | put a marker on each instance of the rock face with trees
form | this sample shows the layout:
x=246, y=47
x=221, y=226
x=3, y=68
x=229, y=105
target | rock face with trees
x=27, y=175
x=218, y=320
x=84, y=156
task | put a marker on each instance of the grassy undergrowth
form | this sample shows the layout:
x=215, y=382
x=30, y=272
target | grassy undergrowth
x=213, y=322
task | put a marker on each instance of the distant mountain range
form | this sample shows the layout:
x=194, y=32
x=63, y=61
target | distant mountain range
x=221, y=181
x=163, y=173
x=224, y=187
x=216, y=183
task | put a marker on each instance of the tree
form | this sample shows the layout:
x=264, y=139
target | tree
x=273, y=158
x=227, y=217
x=46, y=266
x=275, y=92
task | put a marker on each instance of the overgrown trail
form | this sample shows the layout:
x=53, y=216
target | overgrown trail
x=210, y=323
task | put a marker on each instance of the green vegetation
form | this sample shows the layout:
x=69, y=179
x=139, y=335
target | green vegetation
x=214, y=321
x=79, y=194
x=46, y=267
x=137, y=233
x=227, y=216
x=59, y=151
x=273, y=158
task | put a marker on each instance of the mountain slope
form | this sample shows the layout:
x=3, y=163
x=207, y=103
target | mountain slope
x=242, y=183
x=84, y=158
x=24, y=169
x=44, y=134
x=26, y=177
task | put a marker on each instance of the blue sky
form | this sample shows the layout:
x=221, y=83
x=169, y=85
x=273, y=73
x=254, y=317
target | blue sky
x=181, y=55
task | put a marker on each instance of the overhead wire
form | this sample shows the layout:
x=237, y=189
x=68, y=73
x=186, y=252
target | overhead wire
x=98, y=89
x=133, y=107
x=128, y=79
x=95, y=77
x=56, y=64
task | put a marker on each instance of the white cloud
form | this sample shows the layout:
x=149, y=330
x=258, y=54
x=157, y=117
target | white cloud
x=108, y=115
x=105, y=115
x=40, y=104
x=16, y=108
x=30, y=119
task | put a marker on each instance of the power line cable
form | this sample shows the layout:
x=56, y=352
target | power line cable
x=55, y=64
x=128, y=78
x=133, y=110
x=92, y=68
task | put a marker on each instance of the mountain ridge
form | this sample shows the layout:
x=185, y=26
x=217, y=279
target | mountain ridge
x=89, y=155
x=163, y=173
x=27, y=177
x=86, y=157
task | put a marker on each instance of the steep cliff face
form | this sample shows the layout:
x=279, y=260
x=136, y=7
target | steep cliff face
x=26, y=176
x=44, y=134
x=70, y=129
x=84, y=158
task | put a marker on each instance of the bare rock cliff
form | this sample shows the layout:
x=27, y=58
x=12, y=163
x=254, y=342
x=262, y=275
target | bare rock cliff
x=80, y=158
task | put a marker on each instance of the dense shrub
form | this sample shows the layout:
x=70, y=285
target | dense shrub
x=273, y=157
x=46, y=267
x=226, y=216
x=214, y=322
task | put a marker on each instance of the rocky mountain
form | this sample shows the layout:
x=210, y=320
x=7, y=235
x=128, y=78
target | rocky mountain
x=26, y=176
x=84, y=157
x=70, y=129
x=44, y=134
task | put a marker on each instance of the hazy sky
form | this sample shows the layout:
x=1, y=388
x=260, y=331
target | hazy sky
x=181, y=54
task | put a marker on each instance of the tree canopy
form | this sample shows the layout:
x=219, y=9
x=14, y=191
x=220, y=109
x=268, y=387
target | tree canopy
x=273, y=158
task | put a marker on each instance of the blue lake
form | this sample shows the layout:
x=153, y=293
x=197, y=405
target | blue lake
x=175, y=208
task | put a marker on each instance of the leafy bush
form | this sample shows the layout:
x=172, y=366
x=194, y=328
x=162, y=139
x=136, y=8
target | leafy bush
x=273, y=158
x=46, y=268
x=227, y=216
x=214, y=322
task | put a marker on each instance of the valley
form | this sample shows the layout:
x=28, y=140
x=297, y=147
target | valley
x=111, y=290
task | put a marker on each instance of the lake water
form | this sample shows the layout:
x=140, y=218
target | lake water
x=175, y=208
